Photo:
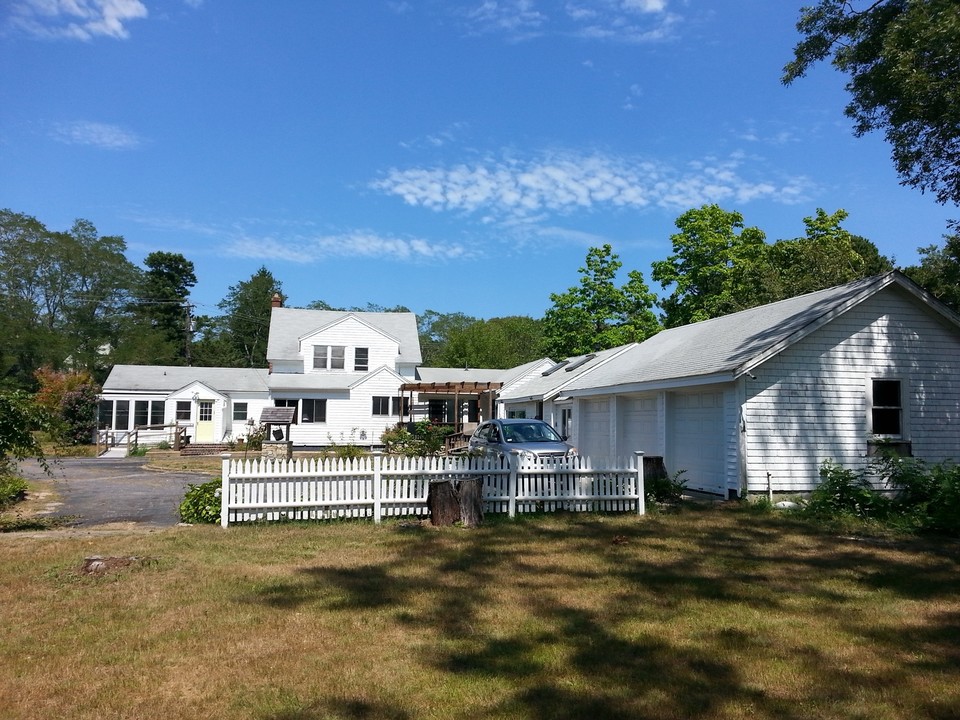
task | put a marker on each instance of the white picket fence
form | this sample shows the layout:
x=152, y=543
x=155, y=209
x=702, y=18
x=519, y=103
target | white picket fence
x=379, y=486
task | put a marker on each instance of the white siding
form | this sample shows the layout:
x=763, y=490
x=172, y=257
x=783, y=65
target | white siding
x=350, y=418
x=351, y=334
x=810, y=404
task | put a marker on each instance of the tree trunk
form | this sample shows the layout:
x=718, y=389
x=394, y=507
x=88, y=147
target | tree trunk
x=450, y=502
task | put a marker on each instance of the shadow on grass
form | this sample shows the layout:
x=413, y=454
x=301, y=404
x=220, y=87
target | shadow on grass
x=660, y=617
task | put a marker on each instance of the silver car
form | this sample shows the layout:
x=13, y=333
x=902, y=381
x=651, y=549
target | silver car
x=533, y=438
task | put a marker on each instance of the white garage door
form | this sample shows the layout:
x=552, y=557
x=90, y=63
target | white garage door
x=594, y=440
x=695, y=440
x=638, y=426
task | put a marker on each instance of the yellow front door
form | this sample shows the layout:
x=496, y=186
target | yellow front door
x=205, y=422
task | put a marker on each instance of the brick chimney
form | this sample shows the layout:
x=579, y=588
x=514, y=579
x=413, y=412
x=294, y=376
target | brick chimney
x=276, y=300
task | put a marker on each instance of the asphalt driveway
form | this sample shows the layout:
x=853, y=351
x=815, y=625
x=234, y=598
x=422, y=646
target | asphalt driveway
x=97, y=491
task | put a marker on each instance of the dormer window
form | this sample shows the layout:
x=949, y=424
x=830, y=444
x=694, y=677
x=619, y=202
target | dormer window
x=328, y=357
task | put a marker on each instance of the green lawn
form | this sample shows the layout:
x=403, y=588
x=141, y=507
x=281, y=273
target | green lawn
x=715, y=612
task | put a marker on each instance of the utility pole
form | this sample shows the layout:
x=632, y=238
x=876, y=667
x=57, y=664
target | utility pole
x=187, y=331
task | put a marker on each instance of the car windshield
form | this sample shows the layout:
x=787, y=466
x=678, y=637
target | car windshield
x=529, y=433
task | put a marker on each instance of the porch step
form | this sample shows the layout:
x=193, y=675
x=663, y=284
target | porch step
x=205, y=449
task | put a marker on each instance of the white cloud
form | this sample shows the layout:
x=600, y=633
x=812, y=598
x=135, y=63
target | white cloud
x=77, y=19
x=518, y=19
x=634, y=21
x=509, y=189
x=355, y=244
x=96, y=134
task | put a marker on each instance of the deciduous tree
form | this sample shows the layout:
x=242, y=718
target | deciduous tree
x=715, y=269
x=939, y=271
x=903, y=62
x=597, y=314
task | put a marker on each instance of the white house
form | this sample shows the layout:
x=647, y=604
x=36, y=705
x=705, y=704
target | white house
x=767, y=394
x=214, y=404
x=342, y=371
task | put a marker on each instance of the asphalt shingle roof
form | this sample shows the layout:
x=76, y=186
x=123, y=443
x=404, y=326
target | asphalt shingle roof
x=288, y=325
x=729, y=344
x=167, y=378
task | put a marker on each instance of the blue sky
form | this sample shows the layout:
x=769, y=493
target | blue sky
x=453, y=155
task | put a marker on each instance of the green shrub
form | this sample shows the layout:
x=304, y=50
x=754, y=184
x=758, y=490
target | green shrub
x=201, y=504
x=163, y=445
x=424, y=438
x=943, y=511
x=13, y=489
x=665, y=489
x=844, y=493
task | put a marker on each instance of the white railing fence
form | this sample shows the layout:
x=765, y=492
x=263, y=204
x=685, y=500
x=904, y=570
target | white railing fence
x=379, y=486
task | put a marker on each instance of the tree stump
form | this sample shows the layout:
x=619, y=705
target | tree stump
x=451, y=501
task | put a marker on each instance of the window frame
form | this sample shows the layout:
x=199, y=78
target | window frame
x=310, y=418
x=236, y=408
x=329, y=357
x=361, y=359
x=381, y=406
x=873, y=408
x=183, y=411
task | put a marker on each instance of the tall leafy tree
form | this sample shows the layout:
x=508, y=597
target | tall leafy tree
x=903, y=62
x=163, y=307
x=246, y=309
x=63, y=294
x=435, y=330
x=827, y=255
x=596, y=314
x=939, y=271
x=715, y=269
x=495, y=343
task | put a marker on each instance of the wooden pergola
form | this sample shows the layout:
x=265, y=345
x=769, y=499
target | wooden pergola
x=458, y=390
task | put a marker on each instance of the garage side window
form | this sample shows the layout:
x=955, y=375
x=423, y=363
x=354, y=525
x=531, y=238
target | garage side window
x=887, y=408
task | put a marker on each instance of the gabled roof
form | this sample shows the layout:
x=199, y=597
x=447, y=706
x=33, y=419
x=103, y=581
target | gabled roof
x=288, y=325
x=168, y=378
x=730, y=346
x=549, y=383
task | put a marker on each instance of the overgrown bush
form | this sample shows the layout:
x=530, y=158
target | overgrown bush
x=424, y=438
x=71, y=400
x=13, y=489
x=844, y=493
x=665, y=488
x=201, y=504
x=922, y=498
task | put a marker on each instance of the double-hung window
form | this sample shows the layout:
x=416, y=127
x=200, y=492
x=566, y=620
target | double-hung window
x=886, y=411
x=361, y=359
x=183, y=410
x=240, y=412
x=314, y=411
x=328, y=357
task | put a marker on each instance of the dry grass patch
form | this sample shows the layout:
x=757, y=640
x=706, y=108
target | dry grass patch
x=710, y=613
